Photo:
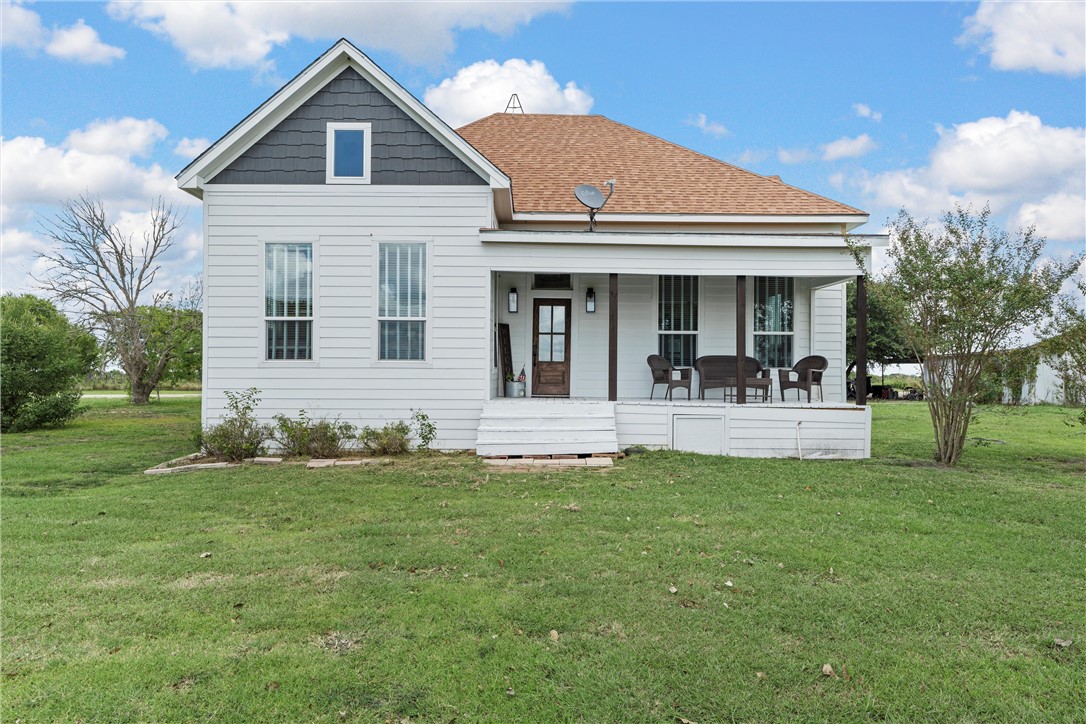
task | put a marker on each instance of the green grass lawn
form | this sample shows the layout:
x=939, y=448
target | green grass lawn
x=429, y=589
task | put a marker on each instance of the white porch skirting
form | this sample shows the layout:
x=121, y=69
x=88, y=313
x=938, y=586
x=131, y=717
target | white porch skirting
x=780, y=430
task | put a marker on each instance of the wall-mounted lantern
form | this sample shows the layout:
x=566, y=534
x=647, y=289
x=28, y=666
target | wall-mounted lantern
x=590, y=301
x=513, y=300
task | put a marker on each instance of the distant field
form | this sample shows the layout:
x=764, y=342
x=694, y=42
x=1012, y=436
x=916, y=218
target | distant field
x=437, y=589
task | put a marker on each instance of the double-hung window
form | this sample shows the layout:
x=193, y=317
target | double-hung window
x=774, y=309
x=288, y=301
x=678, y=319
x=348, y=150
x=401, y=301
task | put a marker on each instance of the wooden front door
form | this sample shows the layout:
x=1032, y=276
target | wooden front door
x=550, y=348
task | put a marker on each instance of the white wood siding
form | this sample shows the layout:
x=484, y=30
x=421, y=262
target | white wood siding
x=830, y=431
x=345, y=378
x=828, y=337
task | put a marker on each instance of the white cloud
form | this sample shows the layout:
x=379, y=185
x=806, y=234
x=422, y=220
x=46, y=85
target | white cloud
x=794, y=155
x=1046, y=36
x=1059, y=215
x=80, y=43
x=483, y=88
x=752, y=156
x=122, y=137
x=222, y=34
x=77, y=43
x=1020, y=167
x=864, y=111
x=712, y=128
x=19, y=27
x=848, y=148
x=837, y=180
x=191, y=147
x=98, y=160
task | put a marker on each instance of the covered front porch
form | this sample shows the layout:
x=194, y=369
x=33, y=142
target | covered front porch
x=580, y=313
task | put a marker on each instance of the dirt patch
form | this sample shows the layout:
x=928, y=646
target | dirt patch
x=201, y=580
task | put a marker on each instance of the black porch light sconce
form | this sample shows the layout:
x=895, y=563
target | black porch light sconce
x=590, y=301
x=512, y=300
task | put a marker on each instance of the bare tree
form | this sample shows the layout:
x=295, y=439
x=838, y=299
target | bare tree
x=107, y=277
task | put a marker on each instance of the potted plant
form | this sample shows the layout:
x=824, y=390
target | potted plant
x=514, y=386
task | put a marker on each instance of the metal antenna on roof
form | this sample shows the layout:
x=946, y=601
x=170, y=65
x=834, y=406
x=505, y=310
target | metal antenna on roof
x=514, y=106
x=593, y=198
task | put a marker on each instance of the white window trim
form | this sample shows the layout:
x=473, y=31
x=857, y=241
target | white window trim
x=262, y=335
x=656, y=309
x=330, y=153
x=427, y=319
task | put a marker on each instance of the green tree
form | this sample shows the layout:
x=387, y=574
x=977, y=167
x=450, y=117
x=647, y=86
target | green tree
x=885, y=342
x=961, y=291
x=43, y=358
x=108, y=277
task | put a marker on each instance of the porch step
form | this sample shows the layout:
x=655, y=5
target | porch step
x=546, y=427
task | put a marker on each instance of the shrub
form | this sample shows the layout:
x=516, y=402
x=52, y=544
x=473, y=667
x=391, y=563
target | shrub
x=240, y=435
x=292, y=436
x=328, y=438
x=392, y=439
x=425, y=429
x=395, y=437
x=43, y=357
x=304, y=436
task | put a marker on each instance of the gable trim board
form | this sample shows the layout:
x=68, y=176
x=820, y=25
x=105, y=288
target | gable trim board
x=304, y=86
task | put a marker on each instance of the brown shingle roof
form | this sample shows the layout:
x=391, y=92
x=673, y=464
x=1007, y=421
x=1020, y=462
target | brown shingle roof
x=546, y=156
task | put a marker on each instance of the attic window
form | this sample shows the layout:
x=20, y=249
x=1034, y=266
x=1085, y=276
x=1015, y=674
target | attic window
x=348, y=153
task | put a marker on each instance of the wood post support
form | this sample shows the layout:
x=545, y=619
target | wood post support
x=741, y=338
x=612, y=338
x=861, y=341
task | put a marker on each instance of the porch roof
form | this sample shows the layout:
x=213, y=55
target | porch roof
x=640, y=238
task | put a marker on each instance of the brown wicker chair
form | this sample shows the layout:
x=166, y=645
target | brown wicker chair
x=808, y=372
x=722, y=370
x=663, y=373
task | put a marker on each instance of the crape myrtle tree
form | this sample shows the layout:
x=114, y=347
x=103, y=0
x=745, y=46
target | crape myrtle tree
x=107, y=277
x=43, y=359
x=962, y=290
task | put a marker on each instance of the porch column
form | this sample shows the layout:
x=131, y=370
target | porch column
x=612, y=338
x=861, y=341
x=741, y=338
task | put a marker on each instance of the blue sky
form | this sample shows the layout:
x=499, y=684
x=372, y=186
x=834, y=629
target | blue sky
x=878, y=105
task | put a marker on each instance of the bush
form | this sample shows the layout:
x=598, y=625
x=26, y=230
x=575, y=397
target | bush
x=43, y=357
x=239, y=435
x=425, y=429
x=304, y=436
x=395, y=437
x=392, y=439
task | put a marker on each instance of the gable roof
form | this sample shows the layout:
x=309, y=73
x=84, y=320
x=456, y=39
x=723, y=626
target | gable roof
x=546, y=156
x=321, y=71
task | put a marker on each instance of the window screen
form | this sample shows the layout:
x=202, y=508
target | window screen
x=678, y=319
x=774, y=308
x=401, y=303
x=288, y=301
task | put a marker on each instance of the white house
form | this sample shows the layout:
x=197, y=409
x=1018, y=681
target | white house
x=361, y=259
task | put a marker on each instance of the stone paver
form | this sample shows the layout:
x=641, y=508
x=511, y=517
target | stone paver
x=320, y=463
x=267, y=461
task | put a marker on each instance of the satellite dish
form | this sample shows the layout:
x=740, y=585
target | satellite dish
x=594, y=199
x=590, y=196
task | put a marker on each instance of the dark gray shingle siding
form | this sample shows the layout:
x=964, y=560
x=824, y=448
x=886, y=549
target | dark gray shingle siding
x=402, y=152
